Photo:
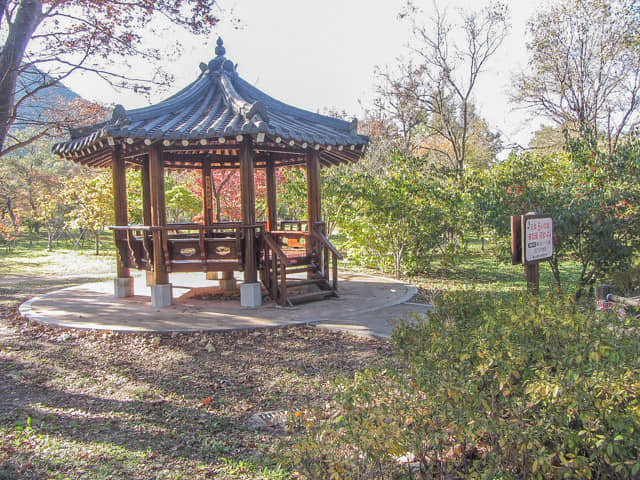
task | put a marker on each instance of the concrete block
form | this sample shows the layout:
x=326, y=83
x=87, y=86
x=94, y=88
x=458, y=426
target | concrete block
x=123, y=287
x=161, y=295
x=250, y=295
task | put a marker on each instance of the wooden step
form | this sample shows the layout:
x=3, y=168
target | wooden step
x=293, y=283
x=308, y=268
x=310, y=297
x=300, y=260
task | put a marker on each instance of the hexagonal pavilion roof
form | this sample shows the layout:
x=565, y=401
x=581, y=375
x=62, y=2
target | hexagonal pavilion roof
x=207, y=120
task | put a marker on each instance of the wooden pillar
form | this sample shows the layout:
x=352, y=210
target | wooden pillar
x=272, y=214
x=158, y=214
x=120, y=206
x=314, y=211
x=314, y=206
x=146, y=206
x=248, y=201
x=146, y=191
x=207, y=194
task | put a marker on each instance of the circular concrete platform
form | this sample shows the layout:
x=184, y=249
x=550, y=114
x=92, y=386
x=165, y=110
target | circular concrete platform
x=93, y=306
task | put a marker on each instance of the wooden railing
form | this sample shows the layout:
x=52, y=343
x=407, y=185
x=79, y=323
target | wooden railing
x=274, y=264
x=297, y=225
x=135, y=246
x=221, y=248
x=327, y=249
x=287, y=252
x=187, y=247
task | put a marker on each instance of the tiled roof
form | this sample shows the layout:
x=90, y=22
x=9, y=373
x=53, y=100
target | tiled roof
x=217, y=104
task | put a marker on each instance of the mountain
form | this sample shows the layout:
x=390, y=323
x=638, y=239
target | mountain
x=37, y=107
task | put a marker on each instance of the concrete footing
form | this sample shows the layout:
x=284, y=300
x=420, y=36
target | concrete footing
x=161, y=295
x=250, y=295
x=123, y=287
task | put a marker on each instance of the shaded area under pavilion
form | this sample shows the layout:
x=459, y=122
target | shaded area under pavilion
x=221, y=122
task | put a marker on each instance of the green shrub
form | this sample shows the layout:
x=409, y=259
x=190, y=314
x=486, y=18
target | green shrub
x=492, y=388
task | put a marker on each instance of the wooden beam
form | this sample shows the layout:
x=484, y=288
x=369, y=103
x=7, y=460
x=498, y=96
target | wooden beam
x=275, y=148
x=120, y=206
x=248, y=201
x=272, y=217
x=158, y=213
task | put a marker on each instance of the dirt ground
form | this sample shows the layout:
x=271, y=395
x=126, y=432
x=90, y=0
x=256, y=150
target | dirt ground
x=99, y=404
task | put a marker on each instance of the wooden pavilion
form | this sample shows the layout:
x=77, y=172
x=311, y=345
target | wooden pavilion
x=220, y=122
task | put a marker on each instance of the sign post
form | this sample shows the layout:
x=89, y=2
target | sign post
x=531, y=243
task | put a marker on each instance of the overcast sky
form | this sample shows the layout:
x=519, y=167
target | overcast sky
x=322, y=54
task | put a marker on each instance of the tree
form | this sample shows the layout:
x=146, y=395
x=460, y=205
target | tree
x=395, y=214
x=224, y=186
x=182, y=204
x=398, y=117
x=9, y=230
x=593, y=198
x=23, y=174
x=90, y=203
x=68, y=36
x=450, y=72
x=51, y=213
x=548, y=140
x=584, y=67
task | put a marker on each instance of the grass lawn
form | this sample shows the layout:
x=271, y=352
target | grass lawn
x=483, y=272
x=27, y=271
x=102, y=405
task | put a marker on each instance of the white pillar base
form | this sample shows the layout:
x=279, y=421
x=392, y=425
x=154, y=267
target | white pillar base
x=123, y=287
x=250, y=295
x=161, y=295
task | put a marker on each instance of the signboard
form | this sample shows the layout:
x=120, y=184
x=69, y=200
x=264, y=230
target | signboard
x=208, y=194
x=537, y=238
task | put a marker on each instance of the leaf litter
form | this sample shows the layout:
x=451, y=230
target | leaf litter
x=105, y=404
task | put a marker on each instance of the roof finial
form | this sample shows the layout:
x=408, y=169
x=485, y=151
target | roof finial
x=220, y=50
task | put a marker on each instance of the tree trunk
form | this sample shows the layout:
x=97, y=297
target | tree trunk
x=27, y=18
x=398, y=262
x=10, y=211
x=97, y=238
x=555, y=269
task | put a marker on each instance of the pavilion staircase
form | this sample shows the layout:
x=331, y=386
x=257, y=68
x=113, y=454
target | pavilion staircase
x=295, y=266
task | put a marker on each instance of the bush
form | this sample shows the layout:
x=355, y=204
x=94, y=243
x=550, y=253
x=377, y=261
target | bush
x=490, y=388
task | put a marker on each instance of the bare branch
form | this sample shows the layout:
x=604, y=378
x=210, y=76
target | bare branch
x=24, y=143
x=583, y=67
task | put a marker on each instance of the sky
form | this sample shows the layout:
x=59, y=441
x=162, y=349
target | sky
x=320, y=55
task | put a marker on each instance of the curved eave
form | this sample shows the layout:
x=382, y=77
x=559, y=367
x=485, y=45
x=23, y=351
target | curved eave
x=216, y=109
x=192, y=153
